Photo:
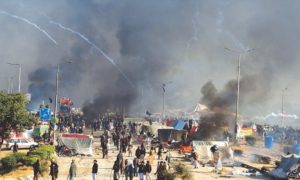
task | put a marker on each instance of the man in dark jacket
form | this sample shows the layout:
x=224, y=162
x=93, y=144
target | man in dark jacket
x=95, y=170
x=36, y=169
x=148, y=170
x=15, y=147
x=116, y=169
x=141, y=170
x=138, y=152
x=53, y=170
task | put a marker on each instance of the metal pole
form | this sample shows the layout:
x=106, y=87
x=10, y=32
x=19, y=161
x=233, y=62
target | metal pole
x=163, y=105
x=282, y=108
x=56, y=102
x=20, y=69
x=238, y=95
x=282, y=104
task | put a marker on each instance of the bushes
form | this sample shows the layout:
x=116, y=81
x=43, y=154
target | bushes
x=9, y=162
x=42, y=153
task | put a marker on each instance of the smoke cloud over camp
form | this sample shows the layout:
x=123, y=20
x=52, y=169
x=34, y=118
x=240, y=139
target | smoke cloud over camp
x=151, y=43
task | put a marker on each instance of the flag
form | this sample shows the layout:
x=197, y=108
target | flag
x=163, y=87
x=50, y=100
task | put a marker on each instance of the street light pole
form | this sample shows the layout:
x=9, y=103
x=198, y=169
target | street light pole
x=238, y=94
x=20, y=69
x=238, y=84
x=56, y=94
x=282, y=116
x=163, y=105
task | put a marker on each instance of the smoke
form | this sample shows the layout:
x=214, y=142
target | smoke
x=30, y=23
x=153, y=42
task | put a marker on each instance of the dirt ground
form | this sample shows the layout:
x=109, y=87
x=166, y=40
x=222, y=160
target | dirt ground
x=84, y=164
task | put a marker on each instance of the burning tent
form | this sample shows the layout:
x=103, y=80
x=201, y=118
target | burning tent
x=83, y=144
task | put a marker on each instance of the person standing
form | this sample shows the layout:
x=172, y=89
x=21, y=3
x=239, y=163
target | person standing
x=36, y=169
x=15, y=147
x=53, y=170
x=141, y=170
x=72, y=170
x=148, y=170
x=95, y=170
x=116, y=169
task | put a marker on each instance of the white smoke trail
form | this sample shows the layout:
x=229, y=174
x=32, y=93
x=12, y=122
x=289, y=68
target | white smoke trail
x=220, y=29
x=195, y=22
x=28, y=22
x=94, y=46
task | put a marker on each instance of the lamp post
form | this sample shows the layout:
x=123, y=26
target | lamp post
x=163, y=96
x=56, y=89
x=240, y=53
x=20, y=69
x=282, y=98
x=56, y=94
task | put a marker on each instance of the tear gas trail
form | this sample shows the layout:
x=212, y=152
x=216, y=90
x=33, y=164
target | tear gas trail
x=28, y=22
x=94, y=46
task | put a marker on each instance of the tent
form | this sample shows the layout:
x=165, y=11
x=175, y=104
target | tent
x=83, y=144
x=203, y=149
x=287, y=163
x=179, y=125
x=164, y=134
x=200, y=108
x=170, y=134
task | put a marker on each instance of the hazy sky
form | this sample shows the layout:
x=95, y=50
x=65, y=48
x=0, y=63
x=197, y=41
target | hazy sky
x=152, y=42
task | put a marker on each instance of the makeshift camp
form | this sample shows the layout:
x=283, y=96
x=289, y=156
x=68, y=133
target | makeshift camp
x=180, y=125
x=287, y=163
x=170, y=134
x=203, y=149
x=83, y=144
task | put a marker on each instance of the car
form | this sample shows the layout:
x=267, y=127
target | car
x=22, y=143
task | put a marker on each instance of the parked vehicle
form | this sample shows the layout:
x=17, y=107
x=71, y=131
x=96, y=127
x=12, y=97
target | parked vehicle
x=22, y=143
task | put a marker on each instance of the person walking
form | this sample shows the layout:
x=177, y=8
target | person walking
x=72, y=170
x=116, y=169
x=141, y=170
x=95, y=170
x=36, y=170
x=53, y=170
x=148, y=170
x=15, y=147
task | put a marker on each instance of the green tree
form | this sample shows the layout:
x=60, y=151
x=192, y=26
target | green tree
x=13, y=113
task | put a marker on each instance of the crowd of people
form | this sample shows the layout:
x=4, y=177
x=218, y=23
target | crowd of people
x=139, y=162
x=283, y=135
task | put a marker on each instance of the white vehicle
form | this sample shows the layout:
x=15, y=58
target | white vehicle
x=22, y=144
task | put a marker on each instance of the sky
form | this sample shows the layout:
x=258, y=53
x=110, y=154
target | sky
x=123, y=51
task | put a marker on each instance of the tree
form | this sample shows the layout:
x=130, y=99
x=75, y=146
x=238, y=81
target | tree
x=13, y=114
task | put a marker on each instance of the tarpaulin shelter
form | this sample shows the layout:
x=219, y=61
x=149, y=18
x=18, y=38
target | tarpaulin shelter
x=83, y=144
x=180, y=125
x=203, y=149
x=164, y=134
x=287, y=163
x=170, y=134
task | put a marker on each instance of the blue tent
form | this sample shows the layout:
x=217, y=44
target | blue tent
x=180, y=125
